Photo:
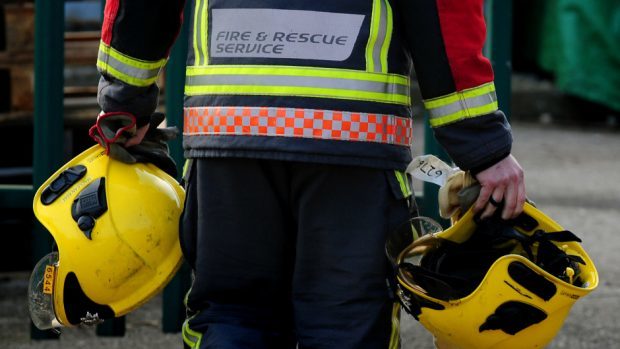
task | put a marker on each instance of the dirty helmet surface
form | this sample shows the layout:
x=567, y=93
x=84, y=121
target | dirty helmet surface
x=491, y=283
x=115, y=226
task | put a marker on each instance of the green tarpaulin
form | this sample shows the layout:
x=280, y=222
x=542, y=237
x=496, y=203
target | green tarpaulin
x=579, y=43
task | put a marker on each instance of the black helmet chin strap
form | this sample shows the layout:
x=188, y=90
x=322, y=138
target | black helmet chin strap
x=548, y=255
x=555, y=260
x=453, y=270
x=439, y=285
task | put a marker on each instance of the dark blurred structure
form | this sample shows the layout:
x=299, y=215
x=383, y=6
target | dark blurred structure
x=17, y=46
x=83, y=15
x=575, y=45
x=82, y=22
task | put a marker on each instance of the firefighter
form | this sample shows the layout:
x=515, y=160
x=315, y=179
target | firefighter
x=297, y=130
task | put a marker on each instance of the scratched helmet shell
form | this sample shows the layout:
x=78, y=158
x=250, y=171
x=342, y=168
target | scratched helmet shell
x=491, y=283
x=115, y=226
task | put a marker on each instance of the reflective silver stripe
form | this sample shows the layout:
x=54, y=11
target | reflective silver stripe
x=297, y=81
x=191, y=337
x=201, y=55
x=298, y=122
x=132, y=71
x=381, y=37
x=395, y=335
x=468, y=103
x=463, y=104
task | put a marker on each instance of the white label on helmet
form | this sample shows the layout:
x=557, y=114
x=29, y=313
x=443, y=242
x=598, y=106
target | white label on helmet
x=429, y=168
x=273, y=33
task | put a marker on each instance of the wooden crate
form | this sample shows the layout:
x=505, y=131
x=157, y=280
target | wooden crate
x=17, y=58
x=19, y=27
x=80, y=49
x=19, y=87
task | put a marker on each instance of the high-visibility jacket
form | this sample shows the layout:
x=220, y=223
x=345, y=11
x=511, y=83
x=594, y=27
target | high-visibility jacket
x=312, y=80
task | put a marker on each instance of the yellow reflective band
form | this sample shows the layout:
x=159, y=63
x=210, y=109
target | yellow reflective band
x=191, y=337
x=374, y=32
x=403, y=181
x=204, y=32
x=298, y=81
x=128, y=69
x=414, y=232
x=298, y=71
x=189, y=341
x=395, y=335
x=296, y=91
x=107, y=69
x=130, y=61
x=388, y=37
x=185, y=168
x=464, y=114
x=200, y=34
x=456, y=96
x=196, y=33
x=380, y=36
x=461, y=105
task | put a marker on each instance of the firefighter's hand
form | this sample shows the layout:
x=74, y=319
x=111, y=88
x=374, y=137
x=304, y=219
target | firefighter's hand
x=502, y=186
x=138, y=137
x=126, y=142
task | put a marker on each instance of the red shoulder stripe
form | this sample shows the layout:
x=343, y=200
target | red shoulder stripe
x=464, y=31
x=110, y=12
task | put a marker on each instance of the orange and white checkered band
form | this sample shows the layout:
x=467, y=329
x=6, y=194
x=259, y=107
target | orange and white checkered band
x=294, y=122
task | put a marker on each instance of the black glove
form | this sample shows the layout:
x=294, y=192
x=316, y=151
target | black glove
x=112, y=130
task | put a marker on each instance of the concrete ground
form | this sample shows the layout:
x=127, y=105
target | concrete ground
x=570, y=174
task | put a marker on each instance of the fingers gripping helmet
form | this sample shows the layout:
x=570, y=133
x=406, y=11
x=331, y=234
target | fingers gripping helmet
x=116, y=229
x=491, y=283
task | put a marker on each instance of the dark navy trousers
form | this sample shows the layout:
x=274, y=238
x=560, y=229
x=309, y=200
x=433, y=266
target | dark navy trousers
x=290, y=255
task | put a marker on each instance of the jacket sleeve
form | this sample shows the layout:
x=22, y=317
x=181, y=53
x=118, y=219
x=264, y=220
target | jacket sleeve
x=445, y=39
x=136, y=37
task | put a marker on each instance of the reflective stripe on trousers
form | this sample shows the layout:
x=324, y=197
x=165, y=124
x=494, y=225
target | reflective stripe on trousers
x=191, y=338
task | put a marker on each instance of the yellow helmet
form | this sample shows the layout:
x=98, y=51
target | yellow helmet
x=116, y=228
x=491, y=283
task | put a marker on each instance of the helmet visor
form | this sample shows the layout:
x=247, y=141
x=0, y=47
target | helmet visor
x=41, y=293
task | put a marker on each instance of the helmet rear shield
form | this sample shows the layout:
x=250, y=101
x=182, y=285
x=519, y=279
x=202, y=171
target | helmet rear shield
x=41, y=293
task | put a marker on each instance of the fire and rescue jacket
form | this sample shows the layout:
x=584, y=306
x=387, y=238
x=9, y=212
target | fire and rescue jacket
x=318, y=81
